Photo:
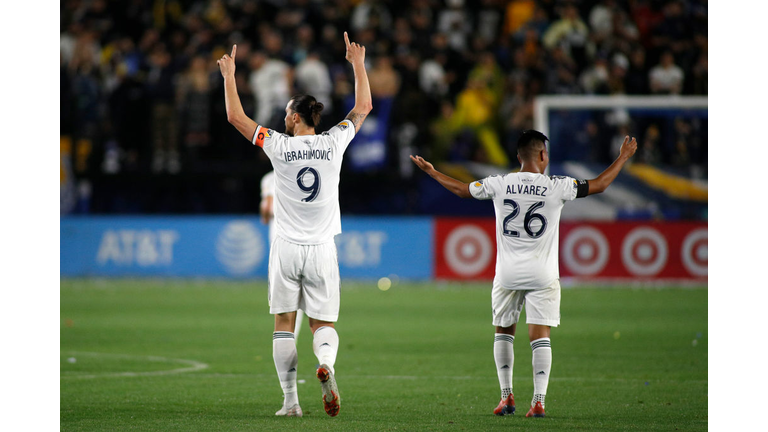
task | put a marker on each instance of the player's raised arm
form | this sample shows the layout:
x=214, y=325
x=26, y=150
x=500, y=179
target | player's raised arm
x=458, y=188
x=363, y=100
x=605, y=178
x=235, y=114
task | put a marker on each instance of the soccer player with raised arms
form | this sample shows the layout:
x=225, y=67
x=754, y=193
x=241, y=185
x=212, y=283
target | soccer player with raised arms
x=527, y=206
x=303, y=264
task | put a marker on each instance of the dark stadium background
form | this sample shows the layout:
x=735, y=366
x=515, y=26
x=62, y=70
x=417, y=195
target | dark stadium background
x=140, y=76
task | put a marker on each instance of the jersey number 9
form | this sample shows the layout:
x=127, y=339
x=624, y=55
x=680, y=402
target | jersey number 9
x=313, y=188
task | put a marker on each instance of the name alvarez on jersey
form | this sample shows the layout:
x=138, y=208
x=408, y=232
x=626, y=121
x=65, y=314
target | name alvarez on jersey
x=527, y=189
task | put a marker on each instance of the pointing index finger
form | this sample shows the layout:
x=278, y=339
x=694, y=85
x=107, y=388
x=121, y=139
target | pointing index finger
x=346, y=39
x=234, y=51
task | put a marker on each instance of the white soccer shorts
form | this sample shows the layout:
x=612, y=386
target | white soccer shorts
x=304, y=277
x=542, y=306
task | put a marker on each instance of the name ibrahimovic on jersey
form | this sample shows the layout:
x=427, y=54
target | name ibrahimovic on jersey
x=304, y=155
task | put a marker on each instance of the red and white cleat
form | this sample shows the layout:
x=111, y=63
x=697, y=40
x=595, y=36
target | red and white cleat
x=331, y=400
x=536, y=411
x=506, y=406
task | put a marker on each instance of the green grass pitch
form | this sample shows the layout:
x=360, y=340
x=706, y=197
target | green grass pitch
x=197, y=355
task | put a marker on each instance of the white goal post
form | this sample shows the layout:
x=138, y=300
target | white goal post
x=543, y=104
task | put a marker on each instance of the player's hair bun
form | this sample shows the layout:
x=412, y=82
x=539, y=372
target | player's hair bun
x=308, y=108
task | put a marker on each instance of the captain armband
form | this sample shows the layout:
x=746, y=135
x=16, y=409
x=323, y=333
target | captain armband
x=582, y=188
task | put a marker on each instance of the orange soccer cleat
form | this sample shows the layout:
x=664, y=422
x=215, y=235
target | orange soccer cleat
x=506, y=406
x=330, y=390
x=536, y=410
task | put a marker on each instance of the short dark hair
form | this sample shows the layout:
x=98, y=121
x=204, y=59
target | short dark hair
x=308, y=108
x=530, y=143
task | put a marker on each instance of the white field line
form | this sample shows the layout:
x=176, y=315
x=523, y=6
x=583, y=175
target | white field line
x=192, y=365
x=466, y=378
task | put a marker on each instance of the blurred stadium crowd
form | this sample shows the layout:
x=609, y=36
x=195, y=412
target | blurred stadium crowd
x=142, y=107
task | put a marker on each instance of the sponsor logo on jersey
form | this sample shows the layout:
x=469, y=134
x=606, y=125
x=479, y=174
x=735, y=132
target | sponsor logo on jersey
x=343, y=125
x=478, y=183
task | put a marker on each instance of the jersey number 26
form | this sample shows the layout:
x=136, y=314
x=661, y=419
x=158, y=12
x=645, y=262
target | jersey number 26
x=530, y=216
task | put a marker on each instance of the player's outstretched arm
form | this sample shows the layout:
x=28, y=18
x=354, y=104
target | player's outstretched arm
x=363, y=99
x=235, y=114
x=605, y=178
x=459, y=188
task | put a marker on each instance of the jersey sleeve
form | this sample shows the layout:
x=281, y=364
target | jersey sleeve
x=269, y=140
x=568, y=188
x=486, y=188
x=342, y=133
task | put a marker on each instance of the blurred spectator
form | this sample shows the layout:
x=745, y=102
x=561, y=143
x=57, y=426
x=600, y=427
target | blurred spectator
x=370, y=14
x=601, y=20
x=617, y=78
x=270, y=83
x=561, y=73
x=160, y=89
x=443, y=130
x=312, y=77
x=475, y=109
x=637, y=75
x=670, y=33
x=194, y=101
x=570, y=33
x=488, y=20
x=666, y=77
x=586, y=143
x=680, y=156
x=455, y=22
x=515, y=115
x=700, y=75
x=517, y=14
x=383, y=78
x=433, y=78
x=595, y=79
x=649, y=150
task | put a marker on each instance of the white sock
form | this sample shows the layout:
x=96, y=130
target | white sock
x=504, y=355
x=326, y=346
x=542, y=363
x=286, y=361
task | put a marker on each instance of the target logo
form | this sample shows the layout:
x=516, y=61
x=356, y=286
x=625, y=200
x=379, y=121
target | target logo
x=586, y=251
x=694, y=252
x=468, y=250
x=644, y=251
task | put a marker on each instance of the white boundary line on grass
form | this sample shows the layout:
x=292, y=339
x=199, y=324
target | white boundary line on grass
x=465, y=378
x=193, y=365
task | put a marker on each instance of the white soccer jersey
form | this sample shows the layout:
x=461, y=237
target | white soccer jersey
x=307, y=168
x=527, y=207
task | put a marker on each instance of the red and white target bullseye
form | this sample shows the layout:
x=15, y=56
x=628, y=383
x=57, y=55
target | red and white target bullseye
x=695, y=252
x=468, y=250
x=644, y=251
x=586, y=251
